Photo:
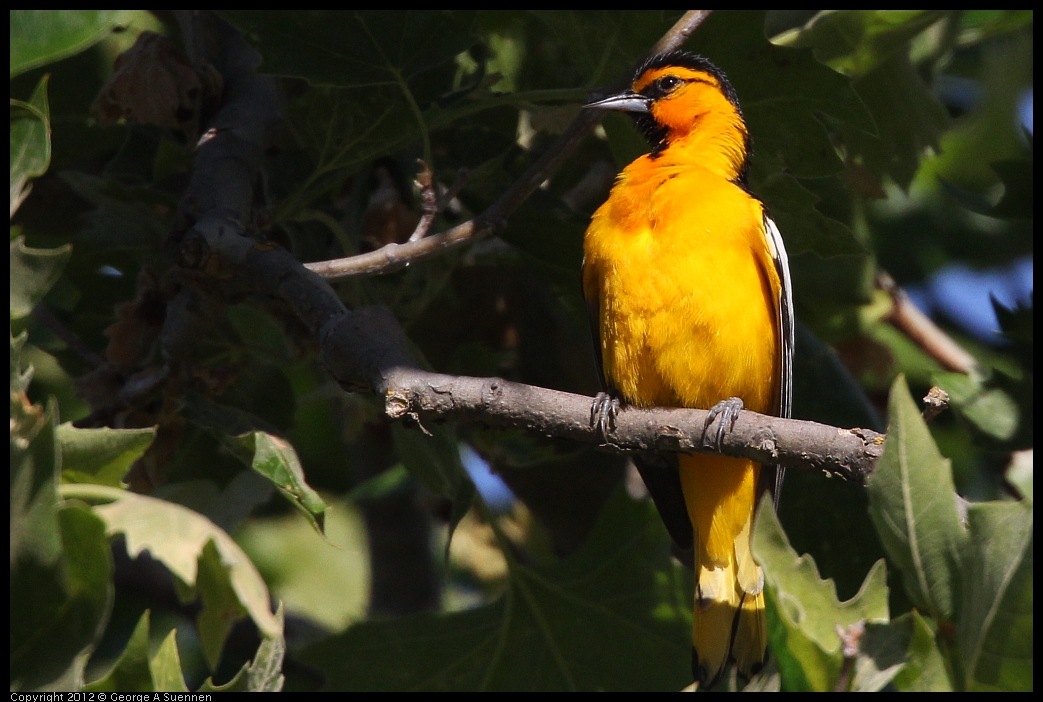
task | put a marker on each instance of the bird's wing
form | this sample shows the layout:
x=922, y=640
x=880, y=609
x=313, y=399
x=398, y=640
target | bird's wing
x=786, y=332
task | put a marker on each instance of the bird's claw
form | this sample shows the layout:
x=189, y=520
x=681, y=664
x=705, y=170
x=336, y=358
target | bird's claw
x=728, y=410
x=603, y=413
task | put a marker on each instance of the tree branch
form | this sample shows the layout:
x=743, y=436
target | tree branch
x=423, y=396
x=366, y=348
x=394, y=256
x=918, y=327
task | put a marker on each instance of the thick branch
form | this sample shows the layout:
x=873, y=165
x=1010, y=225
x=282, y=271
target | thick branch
x=849, y=453
x=366, y=348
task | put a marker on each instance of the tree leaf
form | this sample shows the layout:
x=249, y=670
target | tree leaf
x=276, y=460
x=781, y=90
x=30, y=142
x=131, y=673
x=615, y=615
x=101, y=456
x=995, y=628
x=925, y=670
x=195, y=550
x=33, y=273
x=803, y=610
x=358, y=49
x=165, y=666
x=40, y=37
x=912, y=502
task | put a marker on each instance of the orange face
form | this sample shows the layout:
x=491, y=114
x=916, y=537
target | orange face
x=680, y=96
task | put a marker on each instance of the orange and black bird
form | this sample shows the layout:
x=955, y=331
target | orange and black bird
x=687, y=285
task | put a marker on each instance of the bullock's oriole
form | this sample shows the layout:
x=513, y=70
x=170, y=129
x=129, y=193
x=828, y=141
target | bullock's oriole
x=688, y=287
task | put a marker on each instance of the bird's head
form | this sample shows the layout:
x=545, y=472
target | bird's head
x=677, y=94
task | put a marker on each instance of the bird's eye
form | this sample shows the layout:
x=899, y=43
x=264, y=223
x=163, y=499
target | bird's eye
x=668, y=83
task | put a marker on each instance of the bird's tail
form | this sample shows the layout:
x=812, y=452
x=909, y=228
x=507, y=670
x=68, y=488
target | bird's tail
x=728, y=618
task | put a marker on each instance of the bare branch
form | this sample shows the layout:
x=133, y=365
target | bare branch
x=420, y=395
x=908, y=319
x=681, y=30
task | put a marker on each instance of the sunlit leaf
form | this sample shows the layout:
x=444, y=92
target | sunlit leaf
x=199, y=553
x=276, y=460
x=101, y=456
x=995, y=629
x=165, y=666
x=913, y=506
x=803, y=610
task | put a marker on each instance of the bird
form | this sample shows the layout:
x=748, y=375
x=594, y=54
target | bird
x=688, y=291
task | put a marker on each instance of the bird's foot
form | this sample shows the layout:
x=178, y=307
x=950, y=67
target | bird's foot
x=728, y=410
x=603, y=413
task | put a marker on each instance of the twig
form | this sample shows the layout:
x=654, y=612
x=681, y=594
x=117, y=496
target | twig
x=493, y=219
x=908, y=319
x=428, y=201
x=935, y=402
x=850, y=645
x=681, y=30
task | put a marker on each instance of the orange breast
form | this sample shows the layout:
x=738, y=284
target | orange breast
x=677, y=262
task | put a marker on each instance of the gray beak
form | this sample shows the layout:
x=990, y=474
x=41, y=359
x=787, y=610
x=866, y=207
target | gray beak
x=624, y=102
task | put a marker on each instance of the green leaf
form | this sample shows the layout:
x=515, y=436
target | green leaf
x=925, y=669
x=995, y=628
x=20, y=379
x=803, y=227
x=909, y=120
x=165, y=666
x=59, y=609
x=912, y=502
x=615, y=615
x=33, y=273
x=39, y=37
x=1018, y=194
x=873, y=46
x=803, y=610
x=101, y=456
x=384, y=483
x=276, y=460
x=596, y=46
x=263, y=674
x=358, y=49
x=35, y=464
x=781, y=91
x=989, y=408
x=856, y=41
x=124, y=219
x=30, y=142
x=202, y=556
x=131, y=673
